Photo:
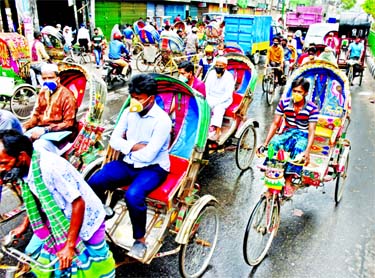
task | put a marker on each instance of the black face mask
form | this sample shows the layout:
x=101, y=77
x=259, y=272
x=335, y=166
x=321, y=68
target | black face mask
x=219, y=70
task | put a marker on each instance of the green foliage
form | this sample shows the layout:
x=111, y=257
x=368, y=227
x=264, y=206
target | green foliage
x=369, y=7
x=348, y=4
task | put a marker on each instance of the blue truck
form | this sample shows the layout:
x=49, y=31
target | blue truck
x=253, y=33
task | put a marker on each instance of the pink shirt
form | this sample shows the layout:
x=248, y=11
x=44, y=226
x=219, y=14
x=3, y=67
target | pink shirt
x=199, y=86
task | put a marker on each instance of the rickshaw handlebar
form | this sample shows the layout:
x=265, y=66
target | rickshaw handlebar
x=22, y=257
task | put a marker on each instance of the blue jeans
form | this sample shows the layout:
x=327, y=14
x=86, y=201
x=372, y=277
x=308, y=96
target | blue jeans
x=98, y=56
x=142, y=182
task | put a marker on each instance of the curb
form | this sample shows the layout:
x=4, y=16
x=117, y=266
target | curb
x=370, y=63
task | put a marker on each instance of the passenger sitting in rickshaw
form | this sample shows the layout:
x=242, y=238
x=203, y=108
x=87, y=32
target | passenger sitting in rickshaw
x=117, y=50
x=206, y=62
x=297, y=137
x=287, y=55
x=311, y=56
x=39, y=57
x=142, y=135
x=220, y=49
x=219, y=90
x=55, y=110
x=186, y=74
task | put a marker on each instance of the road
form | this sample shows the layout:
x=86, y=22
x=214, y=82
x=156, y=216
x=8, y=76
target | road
x=325, y=241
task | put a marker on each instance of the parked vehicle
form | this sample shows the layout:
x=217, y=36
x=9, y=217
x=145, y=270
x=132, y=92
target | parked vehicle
x=251, y=32
x=303, y=17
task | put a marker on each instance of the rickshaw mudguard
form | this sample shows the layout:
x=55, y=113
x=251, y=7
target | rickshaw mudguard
x=183, y=235
x=247, y=123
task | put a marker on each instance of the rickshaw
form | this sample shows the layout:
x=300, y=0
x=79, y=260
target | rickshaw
x=54, y=43
x=14, y=71
x=329, y=156
x=87, y=145
x=213, y=33
x=149, y=39
x=175, y=207
x=171, y=54
x=353, y=26
x=238, y=130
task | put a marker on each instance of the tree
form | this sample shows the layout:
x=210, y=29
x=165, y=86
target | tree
x=368, y=7
x=348, y=4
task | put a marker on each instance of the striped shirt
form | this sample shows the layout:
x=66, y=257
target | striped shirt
x=308, y=114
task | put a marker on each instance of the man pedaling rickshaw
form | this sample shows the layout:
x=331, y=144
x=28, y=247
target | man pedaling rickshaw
x=117, y=51
x=275, y=58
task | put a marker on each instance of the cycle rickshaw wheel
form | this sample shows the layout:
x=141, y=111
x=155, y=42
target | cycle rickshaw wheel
x=260, y=230
x=141, y=63
x=340, y=182
x=195, y=256
x=269, y=88
x=22, y=102
x=246, y=148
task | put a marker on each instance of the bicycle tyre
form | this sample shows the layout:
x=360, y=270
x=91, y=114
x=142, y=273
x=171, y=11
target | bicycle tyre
x=23, y=101
x=270, y=89
x=247, y=143
x=142, y=65
x=257, y=234
x=202, y=242
x=340, y=182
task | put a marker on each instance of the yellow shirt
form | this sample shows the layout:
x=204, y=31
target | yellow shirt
x=275, y=54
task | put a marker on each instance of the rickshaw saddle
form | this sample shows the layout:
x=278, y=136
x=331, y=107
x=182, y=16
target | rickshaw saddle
x=165, y=192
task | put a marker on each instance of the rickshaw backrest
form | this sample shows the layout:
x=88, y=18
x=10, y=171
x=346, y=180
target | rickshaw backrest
x=327, y=90
x=75, y=81
x=186, y=116
x=174, y=44
x=242, y=75
x=148, y=34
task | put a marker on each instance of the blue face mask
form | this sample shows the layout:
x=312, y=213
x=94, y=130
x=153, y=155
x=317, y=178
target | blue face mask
x=51, y=85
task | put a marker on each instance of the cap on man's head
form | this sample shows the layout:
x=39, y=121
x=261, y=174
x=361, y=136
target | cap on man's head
x=357, y=40
x=194, y=29
x=222, y=59
x=49, y=68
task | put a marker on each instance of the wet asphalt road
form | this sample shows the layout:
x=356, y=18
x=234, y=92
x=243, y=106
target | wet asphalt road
x=326, y=241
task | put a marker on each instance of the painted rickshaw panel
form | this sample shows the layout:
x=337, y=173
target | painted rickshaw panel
x=15, y=53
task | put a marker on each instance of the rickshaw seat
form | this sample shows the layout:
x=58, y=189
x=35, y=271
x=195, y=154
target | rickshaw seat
x=232, y=109
x=165, y=192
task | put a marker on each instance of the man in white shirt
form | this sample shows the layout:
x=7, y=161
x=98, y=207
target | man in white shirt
x=142, y=135
x=83, y=37
x=219, y=89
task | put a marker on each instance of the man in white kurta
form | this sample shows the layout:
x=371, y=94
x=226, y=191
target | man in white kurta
x=219, y=89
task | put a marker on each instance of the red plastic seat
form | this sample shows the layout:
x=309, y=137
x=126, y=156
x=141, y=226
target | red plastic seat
x=168, y=188
x=231, y=110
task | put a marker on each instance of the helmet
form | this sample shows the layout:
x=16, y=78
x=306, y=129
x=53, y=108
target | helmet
x=117, y=36
x=209, y=48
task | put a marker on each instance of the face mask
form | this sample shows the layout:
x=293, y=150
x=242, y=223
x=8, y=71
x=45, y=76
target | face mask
x=11, y=175
x=219, y=70
x=136, y=105
x=220, y=52
x=183, y=78
x=275, y=43
x=209, y=57
x=297, y=97
x=51, y=85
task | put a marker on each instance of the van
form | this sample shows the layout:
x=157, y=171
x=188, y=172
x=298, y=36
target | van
x=317, y=32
